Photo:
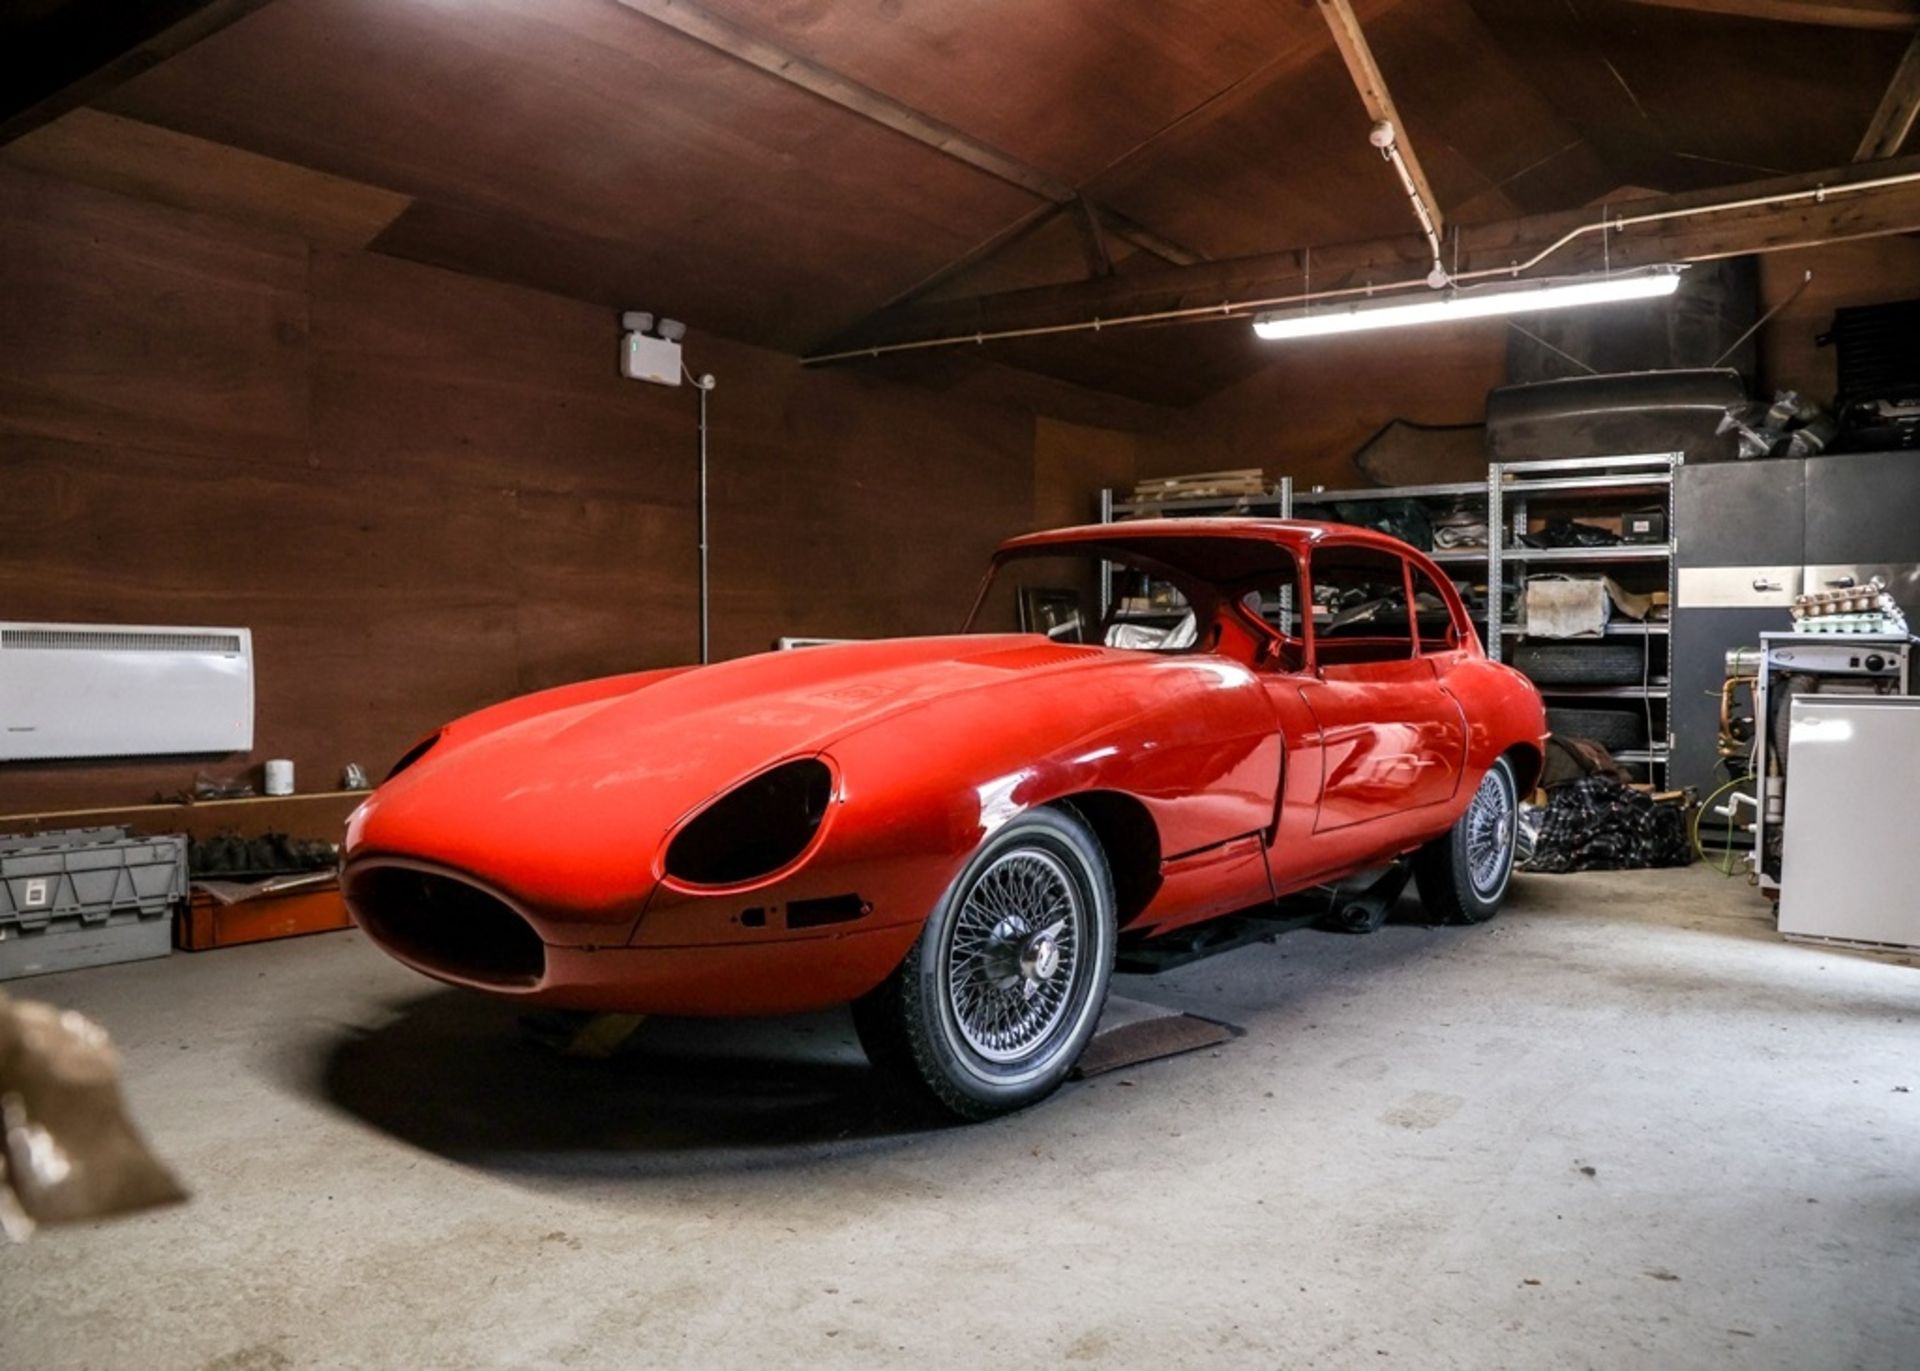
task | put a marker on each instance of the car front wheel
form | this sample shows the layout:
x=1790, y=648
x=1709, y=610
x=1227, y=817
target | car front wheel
x=1463, y=874
x=995, y=1002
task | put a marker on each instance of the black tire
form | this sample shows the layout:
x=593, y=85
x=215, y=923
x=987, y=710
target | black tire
x=1445, y=868
x=1582, y=663
x=1617, y=730
x=912, y=1025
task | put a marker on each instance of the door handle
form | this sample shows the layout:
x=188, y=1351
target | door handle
x=1765, y=583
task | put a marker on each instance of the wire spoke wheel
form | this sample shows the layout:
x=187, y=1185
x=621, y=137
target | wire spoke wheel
x=1003, y=989
x=1490, y=825
x=1013, y=957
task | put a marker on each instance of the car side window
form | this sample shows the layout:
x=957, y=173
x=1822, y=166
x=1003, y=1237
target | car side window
x=1277, y=604
x=1431, y=617
x=1360, y=606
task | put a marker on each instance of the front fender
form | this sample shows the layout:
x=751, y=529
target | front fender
x=1192, y=740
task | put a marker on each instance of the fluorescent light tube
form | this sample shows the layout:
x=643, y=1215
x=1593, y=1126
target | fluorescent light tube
x=1470, y=302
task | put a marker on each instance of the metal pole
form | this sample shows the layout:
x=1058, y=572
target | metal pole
x=705, y=384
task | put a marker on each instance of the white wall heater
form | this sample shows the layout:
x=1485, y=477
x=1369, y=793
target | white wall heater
x=119, y=690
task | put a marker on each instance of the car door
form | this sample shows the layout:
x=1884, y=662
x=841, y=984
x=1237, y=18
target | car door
x=1391, y=740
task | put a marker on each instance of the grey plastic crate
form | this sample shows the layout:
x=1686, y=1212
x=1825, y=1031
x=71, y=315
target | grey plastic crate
x=87, y=897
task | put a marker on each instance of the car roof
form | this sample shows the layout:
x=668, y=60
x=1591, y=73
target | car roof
x=1296, y=535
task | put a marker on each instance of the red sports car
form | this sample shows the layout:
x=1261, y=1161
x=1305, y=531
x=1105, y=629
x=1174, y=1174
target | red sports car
x=1145, y=728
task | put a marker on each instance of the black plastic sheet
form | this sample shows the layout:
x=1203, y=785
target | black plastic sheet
x=1597, y=824
x=1402, y=519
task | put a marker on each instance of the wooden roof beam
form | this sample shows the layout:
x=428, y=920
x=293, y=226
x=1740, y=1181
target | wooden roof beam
x=1893, y=121
x=1092, y=239
x=1351, y=41
x=76, y=53
x=1730, y=221
x=703, y=26
x=1894, y=16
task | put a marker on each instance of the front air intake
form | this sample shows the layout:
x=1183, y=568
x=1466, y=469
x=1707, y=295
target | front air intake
x=445, y=925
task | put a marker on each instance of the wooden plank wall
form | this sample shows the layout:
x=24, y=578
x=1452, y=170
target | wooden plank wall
x=1868, y=272
x=1307, y=413
x=1072, y=462
x=425, y=491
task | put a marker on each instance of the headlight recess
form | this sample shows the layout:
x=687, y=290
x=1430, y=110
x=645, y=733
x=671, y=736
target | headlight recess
x=754, y=829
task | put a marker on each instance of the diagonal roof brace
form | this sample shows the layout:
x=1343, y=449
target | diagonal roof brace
x=691, y=20
x=1384, y=137
x=1893, y=120
x=1386, y=134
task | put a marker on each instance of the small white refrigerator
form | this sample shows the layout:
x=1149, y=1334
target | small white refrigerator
x=1849, y=868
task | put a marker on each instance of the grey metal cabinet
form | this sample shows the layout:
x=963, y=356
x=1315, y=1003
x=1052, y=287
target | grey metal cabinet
x=1863, y=520
x=1741, y=513
x=1749, y=537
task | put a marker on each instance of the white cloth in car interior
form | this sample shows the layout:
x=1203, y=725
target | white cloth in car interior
x=1145, y=637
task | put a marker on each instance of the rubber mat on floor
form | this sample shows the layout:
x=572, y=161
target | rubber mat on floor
x=1132, y=1032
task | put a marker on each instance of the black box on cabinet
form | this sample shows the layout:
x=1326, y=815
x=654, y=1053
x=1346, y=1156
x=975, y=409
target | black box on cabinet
x=1644, y=526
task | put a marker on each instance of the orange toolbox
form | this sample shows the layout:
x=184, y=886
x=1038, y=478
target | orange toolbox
x=208, y=922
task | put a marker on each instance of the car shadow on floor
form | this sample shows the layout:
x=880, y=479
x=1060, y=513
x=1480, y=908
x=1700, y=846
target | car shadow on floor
x=456, y=1074
x=459, y=1076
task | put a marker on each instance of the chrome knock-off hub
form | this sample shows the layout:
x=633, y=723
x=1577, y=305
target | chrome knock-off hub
x=1039, y=958
x=1013, y=960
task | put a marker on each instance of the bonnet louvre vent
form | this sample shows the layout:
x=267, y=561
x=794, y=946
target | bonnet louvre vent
x=1032, y=658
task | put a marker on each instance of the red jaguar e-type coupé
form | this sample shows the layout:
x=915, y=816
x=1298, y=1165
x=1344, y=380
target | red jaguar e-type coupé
x=955, y=833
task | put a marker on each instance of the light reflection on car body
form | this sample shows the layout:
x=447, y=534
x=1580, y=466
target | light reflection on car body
x=1249, y=770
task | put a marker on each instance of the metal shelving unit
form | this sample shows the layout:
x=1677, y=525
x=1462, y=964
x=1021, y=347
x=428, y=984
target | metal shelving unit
x=1510, y=495
x=1277, y=503
x=1658, y=690
x=1287, y=499
x=1439, y=490
x=1639, y=552
x=1448, y=493
x=1514, y=490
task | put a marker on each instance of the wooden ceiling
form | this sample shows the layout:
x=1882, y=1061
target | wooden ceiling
x=591, y=148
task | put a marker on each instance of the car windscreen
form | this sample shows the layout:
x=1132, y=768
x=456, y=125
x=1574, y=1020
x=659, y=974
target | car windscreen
x=1130, y=597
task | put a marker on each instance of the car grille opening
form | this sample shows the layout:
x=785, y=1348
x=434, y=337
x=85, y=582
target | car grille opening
x=444, y=924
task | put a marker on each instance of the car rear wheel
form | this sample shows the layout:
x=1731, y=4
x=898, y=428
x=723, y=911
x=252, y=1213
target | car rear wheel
x=995, y=1002
x=1463, y=874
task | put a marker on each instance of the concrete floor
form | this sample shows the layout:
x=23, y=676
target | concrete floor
x=1621, y=1126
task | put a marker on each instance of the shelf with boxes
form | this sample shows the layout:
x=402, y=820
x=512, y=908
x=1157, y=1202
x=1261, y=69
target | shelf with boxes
x=1576, y=519
x=1586, y=561
x=83, y=888
x=1447, y=519
x=1209, y=495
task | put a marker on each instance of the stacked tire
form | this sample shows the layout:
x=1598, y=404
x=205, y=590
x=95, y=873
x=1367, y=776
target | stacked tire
x=1617, y=728
x=1586, y=664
